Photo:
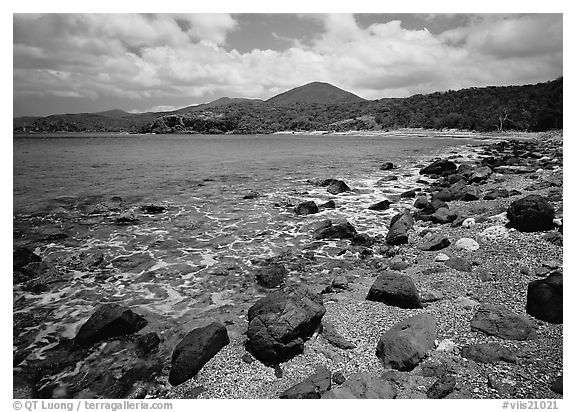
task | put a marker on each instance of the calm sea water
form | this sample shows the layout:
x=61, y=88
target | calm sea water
x=197, y=260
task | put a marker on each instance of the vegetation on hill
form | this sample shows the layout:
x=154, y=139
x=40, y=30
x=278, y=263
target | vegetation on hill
x=315, y=107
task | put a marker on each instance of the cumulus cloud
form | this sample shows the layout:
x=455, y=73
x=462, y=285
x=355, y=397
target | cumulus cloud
x=164, y=58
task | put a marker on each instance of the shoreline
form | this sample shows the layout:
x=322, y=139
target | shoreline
x=362, y=322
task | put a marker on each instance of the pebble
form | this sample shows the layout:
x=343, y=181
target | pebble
x=441, y=257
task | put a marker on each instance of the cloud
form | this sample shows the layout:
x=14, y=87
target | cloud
x=166, y=59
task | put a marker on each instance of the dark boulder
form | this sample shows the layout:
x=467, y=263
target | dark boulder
x=335, y=231
x=280, y=323
x=395, y=289
x=545, y=298
x=439, y=167
x=387, y=166
x=109, y=321
x=498, y=321
x=22, y=256
x=398, y=230
x=306, y=208
x=313, y=387
x=488, y=353
x=470, y=193
x=532, y=213
x=406, y=343
x=195, y=350
x=338, y=186
x=272, y=275
x=381, y=205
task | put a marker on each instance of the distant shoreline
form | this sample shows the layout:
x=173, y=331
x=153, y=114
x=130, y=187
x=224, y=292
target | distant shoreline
x=401, y=132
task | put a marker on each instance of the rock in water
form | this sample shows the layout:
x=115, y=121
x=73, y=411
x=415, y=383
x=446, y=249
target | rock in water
x=545, y=298
x=338, y=186
x=405, y=344
x=488, y=353
x=23, y=256
x=280, y=323
x=313, y=387
x=398, y=230
x=271, y=276
x=498, y=321
x=306, y=208
x=195, y=350
x=532, y=213
x=382, y=205
x=361, y=385
x=442, y=387
x=338, y=231
x=395, y=289
x=439, y=167
x=109, y=321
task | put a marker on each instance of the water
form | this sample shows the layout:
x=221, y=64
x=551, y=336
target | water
x=196, y=261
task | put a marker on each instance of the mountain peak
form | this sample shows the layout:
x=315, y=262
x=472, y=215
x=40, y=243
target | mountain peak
x=315, y=92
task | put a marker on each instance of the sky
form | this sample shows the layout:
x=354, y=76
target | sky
x=70, y=63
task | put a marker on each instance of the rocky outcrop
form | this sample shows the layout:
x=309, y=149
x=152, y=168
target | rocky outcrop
x=195, y=350
x=532, y=213
x=405, y=344
x=498, y=321
x=395, y=289
x=313, y=387
x=108, y=321
x=545, y=298
x=281, y=322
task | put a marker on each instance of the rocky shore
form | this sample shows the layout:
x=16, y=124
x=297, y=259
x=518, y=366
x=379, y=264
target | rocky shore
x=461, y=299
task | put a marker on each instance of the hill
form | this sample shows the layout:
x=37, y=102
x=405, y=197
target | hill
x=315, y=92
x=321, y=106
